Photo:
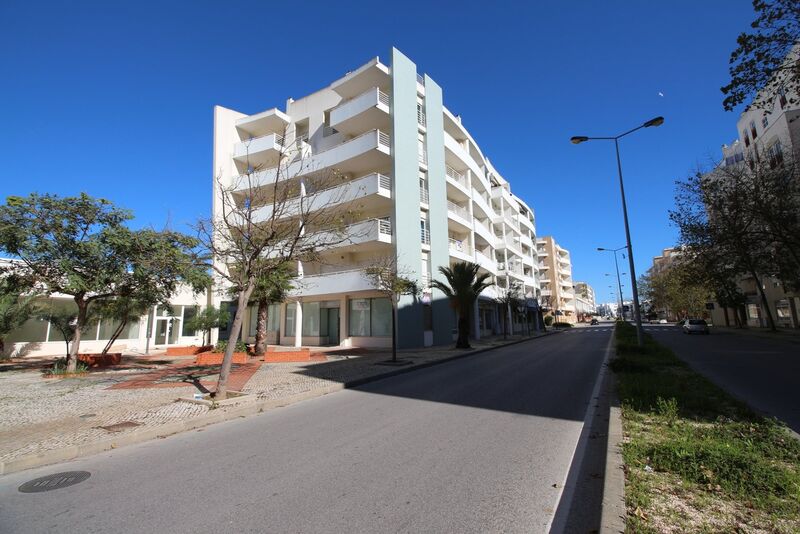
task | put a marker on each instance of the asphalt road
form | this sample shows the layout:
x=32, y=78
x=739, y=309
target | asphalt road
x=481, y=444
x=764, y=373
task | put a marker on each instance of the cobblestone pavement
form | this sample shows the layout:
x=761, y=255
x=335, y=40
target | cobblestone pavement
x=45, y=414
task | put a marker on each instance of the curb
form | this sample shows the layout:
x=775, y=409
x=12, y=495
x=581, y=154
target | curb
x=219, y=415
x=613, y=514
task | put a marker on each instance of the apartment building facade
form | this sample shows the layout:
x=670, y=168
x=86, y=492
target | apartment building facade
x=585, y=303
x=769, y=130
x=555, y=278
x=426, y=195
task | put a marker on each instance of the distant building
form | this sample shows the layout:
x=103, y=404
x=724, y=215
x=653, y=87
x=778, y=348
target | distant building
x=555, y=271
x=584, y=300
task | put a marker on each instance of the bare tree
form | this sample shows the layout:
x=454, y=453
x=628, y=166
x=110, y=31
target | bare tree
x=393, y=281
x=285, y=210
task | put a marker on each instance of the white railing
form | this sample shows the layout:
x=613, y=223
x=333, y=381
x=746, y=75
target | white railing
x=481, y=225
x=385, y=226
x=423, y=155
x=456, y=176
x=458, y=210
x=420, y=79
x=384, y=139
x=384, y=182
x=383, y=98
x=481, y=256
x=425, y=236
x=424, y=196
x=425, y=280
x=460, y=246
x=420, y=116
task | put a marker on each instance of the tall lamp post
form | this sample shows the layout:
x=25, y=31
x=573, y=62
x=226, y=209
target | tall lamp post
x=658, y=121
x=616, y=266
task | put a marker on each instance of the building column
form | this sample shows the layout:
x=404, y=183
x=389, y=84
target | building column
x=298, y=324
x=344, y=328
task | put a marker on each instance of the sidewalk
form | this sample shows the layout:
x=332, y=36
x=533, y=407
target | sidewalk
x=791, y=335
x=50, y=420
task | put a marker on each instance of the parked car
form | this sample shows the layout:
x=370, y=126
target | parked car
x=594, y=321
x=662, y=321
x=692, y=326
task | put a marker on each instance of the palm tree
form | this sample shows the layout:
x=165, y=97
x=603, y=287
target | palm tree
x=271, y=288
x=463, y=286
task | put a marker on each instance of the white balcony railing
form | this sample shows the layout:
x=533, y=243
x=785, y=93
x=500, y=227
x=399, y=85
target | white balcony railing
x=384, y=139
x=420, y=79
x=456, y=176
x=425, y=236
x=383, y=98
x=460, y=245
x=423, y=155
x=424, y=196
x=458, y=210
x=384, y=182
x=385, y=226
x=420, y=116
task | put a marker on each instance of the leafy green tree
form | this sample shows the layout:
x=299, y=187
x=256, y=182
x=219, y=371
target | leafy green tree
x=17, y=305
x=271, y=286
x=121, y=310
x=763, y=60
x=206, y=320
x=462, y=286
x=79, y=246
x=394, y=282
x=64, y=322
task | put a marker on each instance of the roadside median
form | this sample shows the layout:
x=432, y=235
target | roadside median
x=696, y=459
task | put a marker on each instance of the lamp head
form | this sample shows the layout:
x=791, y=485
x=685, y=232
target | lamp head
x=578, y=139
x=601, y=248
x=658, y=121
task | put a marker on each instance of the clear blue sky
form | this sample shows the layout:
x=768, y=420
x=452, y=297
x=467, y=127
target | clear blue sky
x=116, y=99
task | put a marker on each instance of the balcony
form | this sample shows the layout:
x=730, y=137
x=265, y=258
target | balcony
x=364, y=235
x=261, y=124
x=375, y=189
x=460, y=249
x=457, y=178
x=366, y=153
x=333, y=283
x=260, y=151
x=483, y=203
x=372, y=74
x=456, y=156
x=459, y=214
x=485, y=262
x=367, y=111
x=483, y=231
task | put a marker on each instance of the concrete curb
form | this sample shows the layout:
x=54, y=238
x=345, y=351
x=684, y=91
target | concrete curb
x=225, y=413
x=613, y=515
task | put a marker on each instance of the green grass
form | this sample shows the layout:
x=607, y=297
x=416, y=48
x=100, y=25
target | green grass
x=691, y=446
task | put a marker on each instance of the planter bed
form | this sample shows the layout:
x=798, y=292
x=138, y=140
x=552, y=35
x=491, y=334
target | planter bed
x=191, y=350
x=215, y=358
x=280, y=355
x=100, y=360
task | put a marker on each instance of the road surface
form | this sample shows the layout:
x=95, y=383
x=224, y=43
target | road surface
x=481, y=444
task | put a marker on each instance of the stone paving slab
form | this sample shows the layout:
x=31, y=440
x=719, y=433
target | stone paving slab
x=46, y=416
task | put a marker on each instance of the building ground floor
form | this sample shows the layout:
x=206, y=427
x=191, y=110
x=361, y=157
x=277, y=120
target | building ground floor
x=784, y=306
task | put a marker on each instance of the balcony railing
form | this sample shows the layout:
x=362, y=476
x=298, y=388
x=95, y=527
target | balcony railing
x=420, y=115
x=425, y=236
x=384, y=139
x=423, y=155
x=385, y=226
x=383, y=98
x=384, y=182
x=420, y=79
x=483, y=226
x=458, y=210
x=460, y=246
x=424, y=196
x=456, y=176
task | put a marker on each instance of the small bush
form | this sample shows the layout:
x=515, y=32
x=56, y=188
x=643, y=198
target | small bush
x=562, y=325
x=548, y=321
x=668, y=409
x=60, y=368
x=223, y=344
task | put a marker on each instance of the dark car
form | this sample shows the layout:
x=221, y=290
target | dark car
x=594, y=321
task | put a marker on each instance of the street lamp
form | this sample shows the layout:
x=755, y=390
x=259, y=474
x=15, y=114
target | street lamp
x=658, y=121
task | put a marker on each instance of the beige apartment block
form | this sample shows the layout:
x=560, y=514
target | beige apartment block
x=555, y=272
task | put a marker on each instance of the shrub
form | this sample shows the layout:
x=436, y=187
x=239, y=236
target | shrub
x=548, y=320
x=223, y=344
x=60, y=367
x=562, y=325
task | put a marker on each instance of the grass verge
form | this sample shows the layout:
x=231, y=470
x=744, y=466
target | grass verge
x=696, y=459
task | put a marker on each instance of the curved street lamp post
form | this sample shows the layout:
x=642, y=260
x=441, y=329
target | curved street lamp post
x=658, y=121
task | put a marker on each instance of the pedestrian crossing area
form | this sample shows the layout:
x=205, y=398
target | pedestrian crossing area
x=589, y=330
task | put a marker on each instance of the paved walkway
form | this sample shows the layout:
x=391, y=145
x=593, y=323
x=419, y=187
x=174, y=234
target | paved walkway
x=41, y=415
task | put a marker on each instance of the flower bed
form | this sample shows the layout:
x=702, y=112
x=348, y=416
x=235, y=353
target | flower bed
x=100, y=360
x=215, y=358
x=275, y=355
x=191, y=350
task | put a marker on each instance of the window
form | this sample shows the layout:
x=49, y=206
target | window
x=775, y=155
x=311, y=319
x=290, y=311
x=764, y=121
x=425, y=232
x=189, y=312
x=753, y=131
x=370, y=317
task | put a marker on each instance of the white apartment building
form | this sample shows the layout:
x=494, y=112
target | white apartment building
x=584, y=300
x=426, y=194
x=555, y=269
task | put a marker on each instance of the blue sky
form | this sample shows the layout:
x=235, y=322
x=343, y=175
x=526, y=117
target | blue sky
x=116, y=99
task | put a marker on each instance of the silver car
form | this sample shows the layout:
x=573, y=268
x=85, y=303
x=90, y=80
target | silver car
x=695, y=326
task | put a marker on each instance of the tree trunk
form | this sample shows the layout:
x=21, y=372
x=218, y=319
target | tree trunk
x=760, y=286
x=114, y=336
x=462, y=341
x=261, y=327
x=236, y=328
x=72, y=353
x=727, y=320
